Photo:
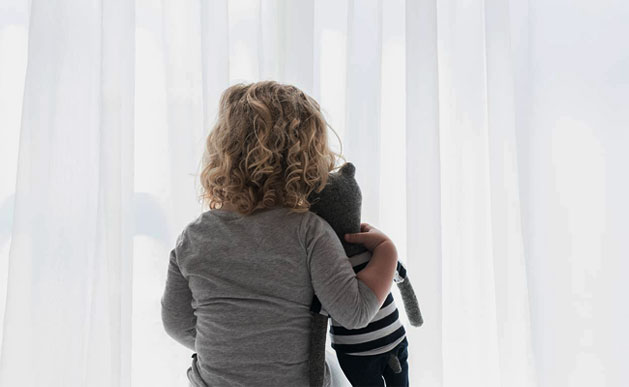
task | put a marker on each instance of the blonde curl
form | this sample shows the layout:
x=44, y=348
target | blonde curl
x=268, y=147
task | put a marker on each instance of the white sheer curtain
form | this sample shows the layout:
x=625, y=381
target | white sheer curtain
x=68, y=290
x=490, y=143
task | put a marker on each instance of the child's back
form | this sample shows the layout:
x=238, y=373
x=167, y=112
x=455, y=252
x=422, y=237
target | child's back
x=248, y=279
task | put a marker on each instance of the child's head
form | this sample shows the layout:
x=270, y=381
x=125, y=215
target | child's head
x=269, y=147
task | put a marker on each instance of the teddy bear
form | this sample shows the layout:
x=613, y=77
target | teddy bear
x=339, y=203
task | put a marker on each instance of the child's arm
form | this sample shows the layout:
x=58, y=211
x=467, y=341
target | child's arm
x=346, y=298
x=177, y=313
x=379, y=272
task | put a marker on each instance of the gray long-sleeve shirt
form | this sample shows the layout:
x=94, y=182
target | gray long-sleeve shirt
x=239, y=288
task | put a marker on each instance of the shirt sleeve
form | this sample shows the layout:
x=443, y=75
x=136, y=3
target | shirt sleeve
x=346, y=298
x=178, y=315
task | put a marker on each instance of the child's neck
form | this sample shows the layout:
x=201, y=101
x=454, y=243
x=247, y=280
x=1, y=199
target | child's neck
x=228, y=206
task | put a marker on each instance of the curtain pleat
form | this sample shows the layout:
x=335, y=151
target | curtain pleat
x=68, y=308
x=361, y=137
x=509, y=267
x=215, y=56
x=423, y=187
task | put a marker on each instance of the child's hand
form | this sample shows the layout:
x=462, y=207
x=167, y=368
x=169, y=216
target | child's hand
x=369, y=236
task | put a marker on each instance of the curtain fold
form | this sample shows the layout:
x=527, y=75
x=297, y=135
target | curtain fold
x=515, y=350
x=484, y=299
x=423, y=187
x=573, y=158
x=13, y=47
x=68, y=308
x=215, y=55
x=361, y=137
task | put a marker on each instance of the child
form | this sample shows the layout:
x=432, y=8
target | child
x=242, y=275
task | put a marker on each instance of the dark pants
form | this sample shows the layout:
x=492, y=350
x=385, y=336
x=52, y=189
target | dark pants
x=367, y=371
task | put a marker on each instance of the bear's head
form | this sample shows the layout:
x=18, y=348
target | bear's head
x=339, y=205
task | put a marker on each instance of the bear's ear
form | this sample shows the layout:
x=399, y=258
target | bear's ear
x=348, y=169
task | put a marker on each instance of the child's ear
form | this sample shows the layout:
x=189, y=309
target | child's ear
x=348, y=169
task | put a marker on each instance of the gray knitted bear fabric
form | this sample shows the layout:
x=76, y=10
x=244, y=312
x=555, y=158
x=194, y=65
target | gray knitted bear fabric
x=339, y=203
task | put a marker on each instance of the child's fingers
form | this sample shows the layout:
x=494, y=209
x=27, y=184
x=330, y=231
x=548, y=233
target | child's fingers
x=365, y=238
x=354, y=237
x=369, y=236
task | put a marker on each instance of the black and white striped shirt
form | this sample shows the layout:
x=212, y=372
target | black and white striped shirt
x=384, y=332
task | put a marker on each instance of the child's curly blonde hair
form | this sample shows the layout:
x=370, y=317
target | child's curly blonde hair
x=269, y=147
